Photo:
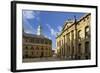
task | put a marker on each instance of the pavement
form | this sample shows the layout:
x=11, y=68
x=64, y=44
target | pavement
x=41, y=59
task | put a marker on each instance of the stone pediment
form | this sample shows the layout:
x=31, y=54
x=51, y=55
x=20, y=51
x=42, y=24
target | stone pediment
x=67, y=24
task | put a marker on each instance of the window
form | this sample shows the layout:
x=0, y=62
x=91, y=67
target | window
x=30, y=40
x=32, y=48
x=37, y=40
x=26, y=47
x=29, y=46
x=72, y=49
x=87, y=47
x=42, y=48
x=26, y=54
x=37, y=48
x=79, y=48
x=32, y=53
x=42, y=54
x=79, y=35
x=87, y=17
x=26, y=40
x=87, y=50
x=72, y=35
x=41, y=41
x=87, y=32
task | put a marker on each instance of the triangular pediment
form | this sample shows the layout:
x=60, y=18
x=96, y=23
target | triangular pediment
x=67, y=24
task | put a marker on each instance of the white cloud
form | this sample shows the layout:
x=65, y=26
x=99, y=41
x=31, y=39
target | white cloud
x=29, y=14
x=47, y=36
x=28, y=27
x=28, y=31
x=48, y=26
x=52, y=31
x=59, y=28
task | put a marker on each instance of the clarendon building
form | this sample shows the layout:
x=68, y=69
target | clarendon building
x=36, y=45
x=73, y=42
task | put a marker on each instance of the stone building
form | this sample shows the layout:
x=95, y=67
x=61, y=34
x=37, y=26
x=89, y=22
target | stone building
x=74, y=42
x=36, y=45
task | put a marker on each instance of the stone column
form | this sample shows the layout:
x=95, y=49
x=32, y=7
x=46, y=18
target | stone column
x=64, y=47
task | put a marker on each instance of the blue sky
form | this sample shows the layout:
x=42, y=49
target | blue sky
x=50, y=21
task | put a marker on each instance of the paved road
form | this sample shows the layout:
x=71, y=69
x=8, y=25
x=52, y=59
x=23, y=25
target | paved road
x=41, y=59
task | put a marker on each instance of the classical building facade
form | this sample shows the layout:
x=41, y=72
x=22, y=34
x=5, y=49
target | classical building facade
x=36, y=45
x=73, y=42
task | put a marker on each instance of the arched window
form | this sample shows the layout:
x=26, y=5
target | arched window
x=87, y=32
x=79, y=35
